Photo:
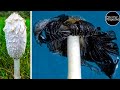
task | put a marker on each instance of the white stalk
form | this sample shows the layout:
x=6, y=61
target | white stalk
x=74, y=59
x=15, y=35
x=17, y=69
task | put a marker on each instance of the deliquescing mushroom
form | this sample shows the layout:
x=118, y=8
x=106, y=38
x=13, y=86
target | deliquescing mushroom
x=80, y=41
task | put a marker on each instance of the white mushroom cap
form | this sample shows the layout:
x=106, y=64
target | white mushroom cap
x=15, y=35
x=14, y=16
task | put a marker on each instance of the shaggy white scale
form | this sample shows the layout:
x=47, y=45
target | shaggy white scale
x=15, y=35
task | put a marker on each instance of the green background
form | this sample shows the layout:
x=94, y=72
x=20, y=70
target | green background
x=6, y=62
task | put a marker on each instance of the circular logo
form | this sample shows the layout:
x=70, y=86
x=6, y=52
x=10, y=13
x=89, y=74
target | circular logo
x=112, y=18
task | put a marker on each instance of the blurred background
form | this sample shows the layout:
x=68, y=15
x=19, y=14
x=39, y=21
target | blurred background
x=6, y=62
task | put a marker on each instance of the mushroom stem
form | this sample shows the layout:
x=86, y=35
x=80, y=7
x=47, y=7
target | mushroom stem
x=74, y=59
x=17, y=69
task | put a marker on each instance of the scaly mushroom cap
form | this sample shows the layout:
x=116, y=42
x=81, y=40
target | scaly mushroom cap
x=15, y=35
